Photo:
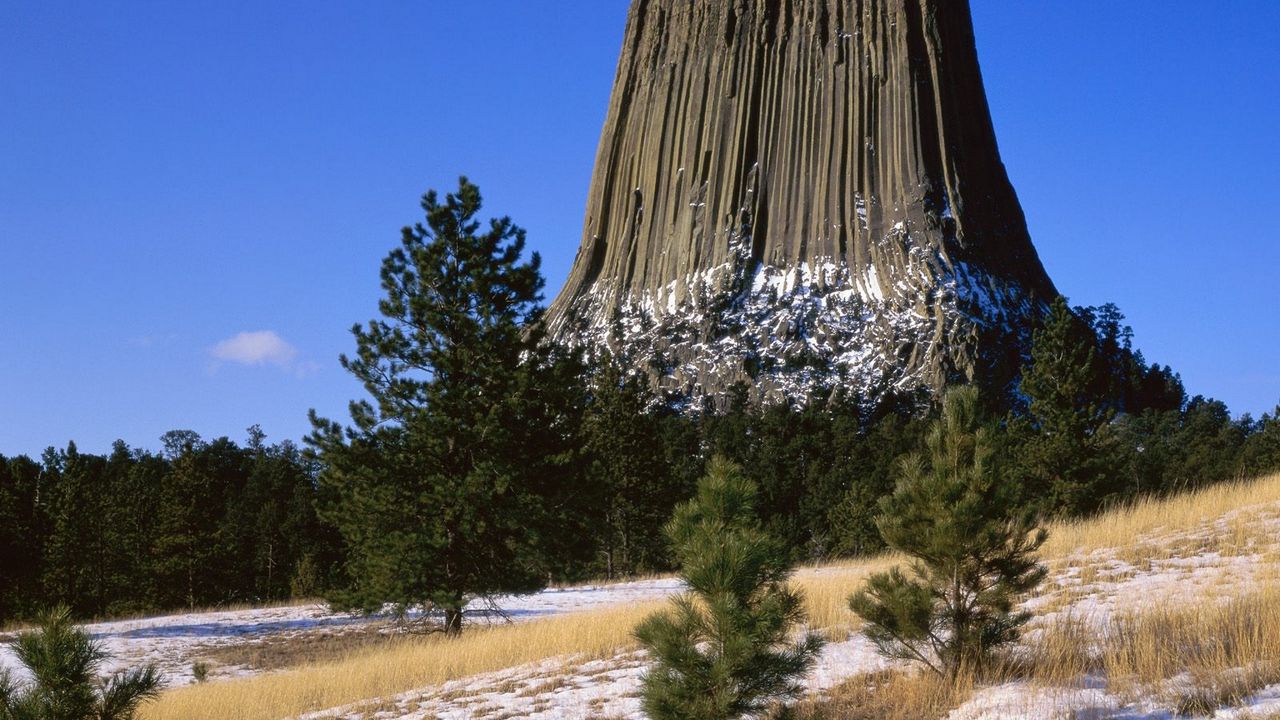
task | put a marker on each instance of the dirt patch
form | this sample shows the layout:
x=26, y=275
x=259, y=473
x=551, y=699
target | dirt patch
x=281, y=651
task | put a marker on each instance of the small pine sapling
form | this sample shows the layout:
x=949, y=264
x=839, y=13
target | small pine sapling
x=723, y=650
x=64, y=661
x=973, y=551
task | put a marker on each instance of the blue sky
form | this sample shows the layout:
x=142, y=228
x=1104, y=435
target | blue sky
x=195, y=197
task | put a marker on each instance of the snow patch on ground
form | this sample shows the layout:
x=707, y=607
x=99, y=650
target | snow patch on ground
x=567, y=689
x=1022, y=700
x=175, y=642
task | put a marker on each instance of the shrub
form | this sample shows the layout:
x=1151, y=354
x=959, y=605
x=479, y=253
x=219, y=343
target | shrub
x=64, y=661
x=722, y=651
x=973, y=552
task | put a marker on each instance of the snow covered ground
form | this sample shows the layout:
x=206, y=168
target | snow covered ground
x=175, y=642
x=1093, y=586
x=555, y=690
x=1022, y=701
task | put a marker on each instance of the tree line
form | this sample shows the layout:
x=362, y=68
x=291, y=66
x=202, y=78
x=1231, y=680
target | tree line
x=202, y=523
x=487, y=460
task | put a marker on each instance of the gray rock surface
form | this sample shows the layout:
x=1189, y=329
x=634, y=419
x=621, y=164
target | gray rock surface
x=805, y=195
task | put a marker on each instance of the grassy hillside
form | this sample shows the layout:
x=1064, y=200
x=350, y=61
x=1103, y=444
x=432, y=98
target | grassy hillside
x=1212, y=557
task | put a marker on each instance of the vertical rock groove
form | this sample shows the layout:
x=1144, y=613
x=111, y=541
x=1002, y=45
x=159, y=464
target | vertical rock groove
x=804, y=195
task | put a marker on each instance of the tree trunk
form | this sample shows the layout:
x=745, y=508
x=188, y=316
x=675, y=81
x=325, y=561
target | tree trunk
x=453, y=620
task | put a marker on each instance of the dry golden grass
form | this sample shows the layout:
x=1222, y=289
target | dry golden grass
x=404, y=665
x=891, y=695
x=1193, y=658
x=598, y=634
x=827, y=589
x=1059, y=654
x=1257, y=716
x=413, y=664
x=1140, y=525
x=1198, y=656
x=286, y=650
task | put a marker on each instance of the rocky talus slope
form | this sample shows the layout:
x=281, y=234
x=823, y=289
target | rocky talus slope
x=803, y=195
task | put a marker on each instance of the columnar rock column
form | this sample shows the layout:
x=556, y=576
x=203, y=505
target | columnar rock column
x=805, y=196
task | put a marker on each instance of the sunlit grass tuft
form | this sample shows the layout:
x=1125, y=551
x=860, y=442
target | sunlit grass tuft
x=891, y=695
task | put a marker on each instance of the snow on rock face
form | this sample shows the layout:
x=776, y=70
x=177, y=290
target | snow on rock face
x=821, y=328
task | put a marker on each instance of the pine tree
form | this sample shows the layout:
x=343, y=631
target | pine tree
x=793, y=446
x=127, y=516
x=138, y=529
x=186, y=562
x=1261, y=454
x=20, y=536
x=865, y=464
x=1207, y=445
x=1069, y=455
x=271, y=522
x=454, y=480
x=723, y=650
x=973, y=553
x=631, y=479
x=75, y=550
x=64, y=661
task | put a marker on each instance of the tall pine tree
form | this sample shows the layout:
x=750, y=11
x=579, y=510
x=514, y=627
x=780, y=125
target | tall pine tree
x=184, y=545
x=76, y=549
x=634, y=486
x=454, y=478
x=20, y=537
x=1068, y=456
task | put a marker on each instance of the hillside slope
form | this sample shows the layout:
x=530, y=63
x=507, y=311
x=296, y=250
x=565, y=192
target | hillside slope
x=1180, y=568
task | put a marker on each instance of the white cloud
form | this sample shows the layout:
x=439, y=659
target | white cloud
x=262, y=347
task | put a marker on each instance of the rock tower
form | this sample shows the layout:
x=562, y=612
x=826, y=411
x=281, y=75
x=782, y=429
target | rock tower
x=805, y=196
